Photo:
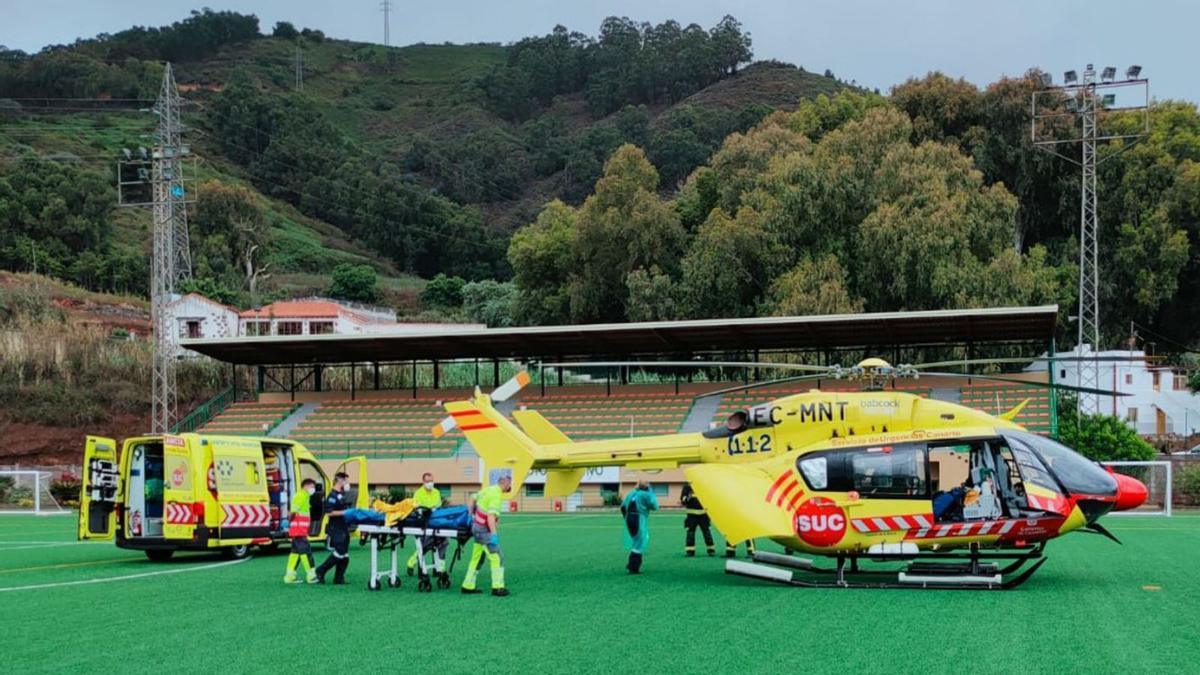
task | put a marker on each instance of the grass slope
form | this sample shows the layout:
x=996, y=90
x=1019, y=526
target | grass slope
x=574, y=609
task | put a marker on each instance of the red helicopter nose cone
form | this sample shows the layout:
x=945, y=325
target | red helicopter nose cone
x=1131, y=492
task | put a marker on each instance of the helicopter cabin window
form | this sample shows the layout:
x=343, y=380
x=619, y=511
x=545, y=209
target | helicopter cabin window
x=889, y=471
x=816, y=472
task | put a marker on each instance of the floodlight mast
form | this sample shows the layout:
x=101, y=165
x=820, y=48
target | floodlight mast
x=1078, y=99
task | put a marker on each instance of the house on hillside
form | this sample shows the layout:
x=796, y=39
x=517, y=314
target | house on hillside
x=193, y=316
x=1159, y=402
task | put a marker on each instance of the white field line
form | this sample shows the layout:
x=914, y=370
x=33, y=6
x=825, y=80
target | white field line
x=104, y=580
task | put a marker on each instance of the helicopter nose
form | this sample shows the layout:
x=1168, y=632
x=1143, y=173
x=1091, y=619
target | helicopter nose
x=1131, y=492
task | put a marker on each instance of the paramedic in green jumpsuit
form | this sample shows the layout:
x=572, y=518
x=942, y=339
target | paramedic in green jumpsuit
x=429, y=497
x=636, y=510
x=486, y=507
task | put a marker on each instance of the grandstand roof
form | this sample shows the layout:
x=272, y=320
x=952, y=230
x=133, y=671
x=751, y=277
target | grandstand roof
x=882, y=329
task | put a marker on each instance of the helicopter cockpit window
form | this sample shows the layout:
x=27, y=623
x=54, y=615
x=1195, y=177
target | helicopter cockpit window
x=889, y=471
x=1077, y=473
x=815, y=472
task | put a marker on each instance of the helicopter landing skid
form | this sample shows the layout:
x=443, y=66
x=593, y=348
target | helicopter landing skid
x=927, y=572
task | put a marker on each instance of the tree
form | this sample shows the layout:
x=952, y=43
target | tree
x=229, y=223
x=445, y=292
x=653, y=296
x=621, y=227
x=813, y=287
x=1099, y=437
x=730, y=264
x=285, y=30
x=357, y=283
x=490, y=302
x=211, y=289
x=540, y=256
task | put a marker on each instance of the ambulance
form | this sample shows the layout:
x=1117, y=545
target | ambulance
x=196, y=492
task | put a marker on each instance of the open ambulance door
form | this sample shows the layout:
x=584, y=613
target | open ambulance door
x=179, y=497
x=100, y=489
x=242, y=490
x=356, y=468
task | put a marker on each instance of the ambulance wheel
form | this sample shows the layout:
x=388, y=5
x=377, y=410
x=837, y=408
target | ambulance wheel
x=423, y=586
x=393, y=583
x=373, y=584
x=160, y=554
x=236, y=552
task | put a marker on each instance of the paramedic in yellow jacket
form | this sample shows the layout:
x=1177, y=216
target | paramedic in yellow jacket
x=486, y=507
x=430, y=497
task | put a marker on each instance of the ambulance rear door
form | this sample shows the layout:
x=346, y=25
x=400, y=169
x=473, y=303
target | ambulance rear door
x=241, y=488
x=180, y=511
x=100, y=489
x=356, y=469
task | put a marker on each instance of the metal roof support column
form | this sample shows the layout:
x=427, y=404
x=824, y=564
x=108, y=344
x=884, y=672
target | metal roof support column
x=476, y=372
x=318, y=372
x=437, y=374
x=542, y=375
x=292, y=382
x=495, y=373
x=233, y=370
x=353, y=373
x=260, y=379
x=376, y=376
x=414, y=378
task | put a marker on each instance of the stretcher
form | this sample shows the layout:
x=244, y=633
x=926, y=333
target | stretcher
x=382, y=538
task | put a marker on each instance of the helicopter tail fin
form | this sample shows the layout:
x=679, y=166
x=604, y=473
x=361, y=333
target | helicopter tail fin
x=1012, y=414
x=559, y=482
x=498, y=441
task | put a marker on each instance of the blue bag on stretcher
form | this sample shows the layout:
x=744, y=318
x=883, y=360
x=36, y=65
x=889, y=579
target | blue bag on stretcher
x=363, y=517
x=456, y=517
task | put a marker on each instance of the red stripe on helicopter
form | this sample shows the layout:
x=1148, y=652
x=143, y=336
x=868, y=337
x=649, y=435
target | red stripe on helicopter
x=892, y=523
x=791, y=485
x=974, y=529
x=475, y=427
x=795, y=498
x=465, y=413
x=776, y=485
x=1056, y=504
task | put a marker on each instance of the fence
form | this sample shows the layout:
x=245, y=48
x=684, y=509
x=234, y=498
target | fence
x=204, y=412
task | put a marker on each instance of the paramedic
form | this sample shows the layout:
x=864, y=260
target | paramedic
x=636, y=510
x=429, y=497
x=299, y=522
x=486, y=507
x=338, y=531
x=696, y=517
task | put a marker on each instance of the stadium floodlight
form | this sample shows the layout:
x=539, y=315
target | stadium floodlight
x=1070, y=77
x=1133, y=71
x=1046, y=79
x=1110, y=100
x=1108, y=74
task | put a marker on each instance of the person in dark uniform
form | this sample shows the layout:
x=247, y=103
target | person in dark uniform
x=337, y=531
x=696, y=517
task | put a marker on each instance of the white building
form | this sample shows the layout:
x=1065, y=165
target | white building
x=195, y=316
x=1159, y=402
x=321, y=316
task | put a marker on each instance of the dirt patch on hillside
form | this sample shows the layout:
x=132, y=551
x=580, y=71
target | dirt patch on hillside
x=37, y=444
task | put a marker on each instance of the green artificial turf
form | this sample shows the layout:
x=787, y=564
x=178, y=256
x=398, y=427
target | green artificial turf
x=1093, y=607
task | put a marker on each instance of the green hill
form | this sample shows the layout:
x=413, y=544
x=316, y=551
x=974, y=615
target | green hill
x=414, y=160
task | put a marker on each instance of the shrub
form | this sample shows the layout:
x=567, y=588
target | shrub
x=1187, y=483
x=65, y=489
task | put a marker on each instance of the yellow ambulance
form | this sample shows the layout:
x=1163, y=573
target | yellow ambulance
x=196, y=492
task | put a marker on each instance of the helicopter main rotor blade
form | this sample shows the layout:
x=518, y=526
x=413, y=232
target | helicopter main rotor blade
x=1040, y=385
x=692, y=364
x=756, y=385
x=1031, y=359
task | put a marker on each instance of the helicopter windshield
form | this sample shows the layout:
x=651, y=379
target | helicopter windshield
x=1077, y=474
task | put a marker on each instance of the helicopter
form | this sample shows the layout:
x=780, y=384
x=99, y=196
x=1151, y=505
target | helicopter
x=961, y=498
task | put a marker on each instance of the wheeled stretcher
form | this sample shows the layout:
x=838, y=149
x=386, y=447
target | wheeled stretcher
x=382, y=538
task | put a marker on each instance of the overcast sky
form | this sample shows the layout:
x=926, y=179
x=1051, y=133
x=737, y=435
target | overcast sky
x=879, y=43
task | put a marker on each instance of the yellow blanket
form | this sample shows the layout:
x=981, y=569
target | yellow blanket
x=394, y=512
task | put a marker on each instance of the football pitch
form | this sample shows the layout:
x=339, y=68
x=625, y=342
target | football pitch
x=1093, y=607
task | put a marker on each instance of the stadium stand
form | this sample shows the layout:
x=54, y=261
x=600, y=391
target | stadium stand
x=595, y=416
x=378, y=426
x=1000, y=397
x=248, y=418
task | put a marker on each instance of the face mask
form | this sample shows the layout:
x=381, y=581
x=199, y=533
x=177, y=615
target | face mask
x=429, y=485
x=311, y=491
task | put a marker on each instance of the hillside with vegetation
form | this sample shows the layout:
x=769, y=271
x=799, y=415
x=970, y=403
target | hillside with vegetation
x=414, y=161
